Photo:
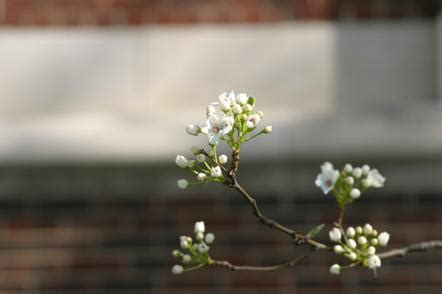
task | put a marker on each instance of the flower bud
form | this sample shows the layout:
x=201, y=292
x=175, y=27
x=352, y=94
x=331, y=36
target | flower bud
x=365, y=169
x=368, y=229
x=355, y=193
x=357, y=172
x=201, y=177
x=181, y=161
x=176, y=253
x=358, y=230
x=335, y=235
x=374, y=261
x=353, y=256
x=374, y=233
x=187, y=258
x=242, y=98
x=196, y=150
x=193, y=130
x=184, y=244
x=362, y=240
x=211, y=153
x=335, y=269
x=236, y=109
x=248, y=108
x=351, y=243
x=201, y=158
x=182, y=184
x=199, y=227
x=371, y=250
x=210, y=110
x=222, y=159
x=216, y=172
x=260, y=113
x=351, y=232
x=374, y=242
x=177, y=269
x=383, y=237
x=349, y=180
x=199, y=236
x=348, y=168
x=365, y=183
x=338, y=249
x=190, y=163
x=209, y=238
x=268, y=129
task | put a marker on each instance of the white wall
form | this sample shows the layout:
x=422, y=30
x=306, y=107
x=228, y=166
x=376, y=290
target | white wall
x=128, y=93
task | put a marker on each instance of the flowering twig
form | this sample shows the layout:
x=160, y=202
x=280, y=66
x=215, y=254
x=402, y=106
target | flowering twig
x=415, y=247
x=291, y=263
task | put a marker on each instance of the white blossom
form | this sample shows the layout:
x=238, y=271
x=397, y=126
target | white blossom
x=177, y=269
x=199, y=227
x=335, y=235
x=216, y=172
x=181, y=161
x=375, y=179
x=203, y=248
x=252, y=121
x=210, y=237
x=327, y=178
x=201, y=177
x=182, y=184
x=193, y=130
x=217, y=125
x=222, y=159
x=335, y=269
x=374, y=261
x=355, y=193
x=242, y=98
x=383, y=238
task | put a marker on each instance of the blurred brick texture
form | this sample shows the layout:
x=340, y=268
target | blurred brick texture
x=117, y=236
x=136, y=12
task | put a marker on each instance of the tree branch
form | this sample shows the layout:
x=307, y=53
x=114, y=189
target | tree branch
x=416, y=247
x=291, y=263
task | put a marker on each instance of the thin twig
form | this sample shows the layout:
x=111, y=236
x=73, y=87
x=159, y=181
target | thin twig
x=416, y=247
x=298, y=237
x=232, y=267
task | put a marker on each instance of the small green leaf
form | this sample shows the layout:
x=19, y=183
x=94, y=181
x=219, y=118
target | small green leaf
x=313, y=232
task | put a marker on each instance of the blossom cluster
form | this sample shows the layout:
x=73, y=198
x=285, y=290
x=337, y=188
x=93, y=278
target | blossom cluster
x=359, y=245
x=194, y=254
x=233, y=120
x=348, y=184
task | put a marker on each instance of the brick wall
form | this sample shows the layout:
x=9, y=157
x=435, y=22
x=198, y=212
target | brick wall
x=136, y=12
x=117, y=235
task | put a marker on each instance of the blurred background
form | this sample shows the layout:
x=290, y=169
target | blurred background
x=95, y=96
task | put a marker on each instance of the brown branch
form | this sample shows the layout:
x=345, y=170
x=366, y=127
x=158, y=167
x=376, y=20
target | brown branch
x=232, y=182
x=416, y=247
x=291, y=263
